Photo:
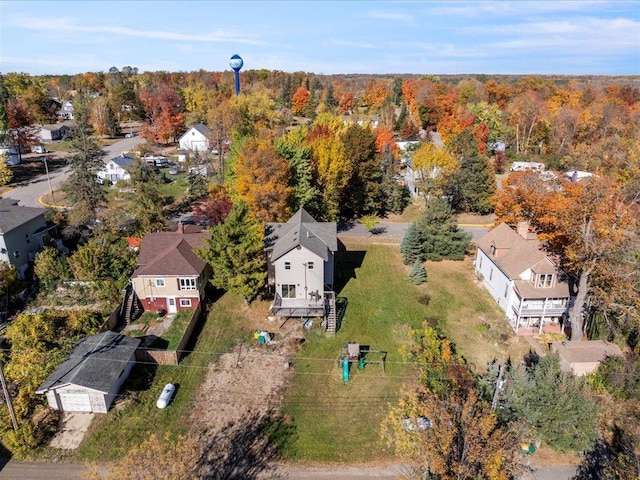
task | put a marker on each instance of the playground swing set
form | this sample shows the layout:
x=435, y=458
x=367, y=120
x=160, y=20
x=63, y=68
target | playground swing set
x=362, y=355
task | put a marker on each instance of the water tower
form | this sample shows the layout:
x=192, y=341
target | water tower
x=236, y=64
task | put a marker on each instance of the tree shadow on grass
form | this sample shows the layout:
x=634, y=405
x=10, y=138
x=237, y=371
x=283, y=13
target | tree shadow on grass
x=246, y=449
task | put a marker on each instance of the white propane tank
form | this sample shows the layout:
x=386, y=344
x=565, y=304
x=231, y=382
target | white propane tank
x=165, y=397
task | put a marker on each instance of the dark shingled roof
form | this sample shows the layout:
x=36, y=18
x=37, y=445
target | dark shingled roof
x=171, y=253
x=96, y=362
x=13, y=215
x=123, y=161
x=301, y=229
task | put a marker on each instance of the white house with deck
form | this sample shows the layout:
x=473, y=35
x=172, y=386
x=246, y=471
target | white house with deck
x=521, y=278
x=301, y=265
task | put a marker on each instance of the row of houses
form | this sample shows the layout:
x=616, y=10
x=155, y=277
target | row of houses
x=511, y=264
x=171, y=277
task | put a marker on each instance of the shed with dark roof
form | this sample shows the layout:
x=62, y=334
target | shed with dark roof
x=91, y=377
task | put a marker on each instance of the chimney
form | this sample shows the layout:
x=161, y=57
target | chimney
x=523, y=229
x=180, y=228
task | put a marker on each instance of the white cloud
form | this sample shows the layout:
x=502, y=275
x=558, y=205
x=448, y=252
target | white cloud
x=66, y=26
x=392, y=16
x=350, y=43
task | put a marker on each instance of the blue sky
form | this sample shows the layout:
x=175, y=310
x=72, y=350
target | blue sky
x=445, y=37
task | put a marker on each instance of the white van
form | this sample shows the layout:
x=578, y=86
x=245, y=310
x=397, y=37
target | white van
x=38, y=149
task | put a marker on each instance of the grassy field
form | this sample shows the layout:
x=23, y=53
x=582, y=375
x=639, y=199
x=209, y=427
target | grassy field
x=333, y=421
x=129, y=423
x=339, y=422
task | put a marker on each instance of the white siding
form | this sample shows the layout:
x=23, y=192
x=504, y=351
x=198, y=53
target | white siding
x=496, y=282
x=299, y=274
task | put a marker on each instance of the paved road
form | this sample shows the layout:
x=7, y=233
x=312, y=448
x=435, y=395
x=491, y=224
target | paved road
x=29, y=194
x=73, y=471
x=394, y=231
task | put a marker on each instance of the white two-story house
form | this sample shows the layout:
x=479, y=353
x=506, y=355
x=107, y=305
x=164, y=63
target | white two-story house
x=22, y=234
x=521, y=278
x=300, y=258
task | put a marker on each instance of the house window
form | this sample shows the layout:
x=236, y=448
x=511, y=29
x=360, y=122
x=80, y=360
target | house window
x=185, y=302
x=187, y=283
x=480, y=263
x=159, y=282
x=310, y=265
x=287, y=265
x=544, y=281
x=506, y=290
x=27, y=239
x=491, y=274
x=288, y=291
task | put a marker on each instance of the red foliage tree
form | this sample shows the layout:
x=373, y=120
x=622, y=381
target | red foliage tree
x=163, y=110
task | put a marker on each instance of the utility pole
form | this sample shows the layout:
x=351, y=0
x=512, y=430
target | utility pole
x=499, y=385
x=46, y=168
x=7, y=399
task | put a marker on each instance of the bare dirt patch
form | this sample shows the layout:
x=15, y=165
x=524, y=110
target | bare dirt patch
x=239, y=400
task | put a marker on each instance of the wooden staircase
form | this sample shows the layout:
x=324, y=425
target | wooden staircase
x=330, y=312
x=131, y=305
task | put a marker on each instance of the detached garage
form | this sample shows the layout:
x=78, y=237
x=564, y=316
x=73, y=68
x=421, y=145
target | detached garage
x=90, y=379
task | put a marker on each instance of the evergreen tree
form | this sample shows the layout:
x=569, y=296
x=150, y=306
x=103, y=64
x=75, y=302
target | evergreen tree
x=474, y=184
x=397, y=91
x=236, y=253
x=197, y=186
x=330, y=100
x=146, y=205
x=294, y=149
x=396, y=196
x=82, y=189
x=557, y=406
x=417, y=274
x=402, y=117
x=411, y=246
x=439, y=233
x=362, y=193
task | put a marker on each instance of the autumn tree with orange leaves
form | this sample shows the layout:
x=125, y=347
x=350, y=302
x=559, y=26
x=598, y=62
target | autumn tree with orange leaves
x=262, y=181
x=441, y=426
x=300, y=100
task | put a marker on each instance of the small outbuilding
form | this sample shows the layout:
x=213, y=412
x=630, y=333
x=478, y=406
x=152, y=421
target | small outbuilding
x=582, y=358
x=91, y=377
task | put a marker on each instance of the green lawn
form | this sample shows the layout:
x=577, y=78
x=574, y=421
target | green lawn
x=111, y=436
x=337, y=421
x=331, y=421
x=340, y=422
